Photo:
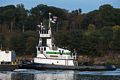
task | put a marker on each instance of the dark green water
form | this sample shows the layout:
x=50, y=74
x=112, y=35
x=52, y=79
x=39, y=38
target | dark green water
x=59, y=75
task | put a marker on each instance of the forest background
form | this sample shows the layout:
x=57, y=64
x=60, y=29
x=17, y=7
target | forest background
x=96, y=33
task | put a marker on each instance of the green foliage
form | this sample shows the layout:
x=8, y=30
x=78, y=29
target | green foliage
x=18, y=44
x=91, y=42
x=116, y=38
x=92, y=33
x=105, y=16
x=30, y=45
x=69, y=39
x=91, y=27
x=24, y=43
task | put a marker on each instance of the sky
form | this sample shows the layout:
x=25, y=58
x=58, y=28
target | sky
x=85, y=5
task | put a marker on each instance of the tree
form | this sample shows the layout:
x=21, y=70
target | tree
x=18, y=44
x=92, y=17
x=105, y=16
x=61, y=39
x=69, y=39
x=30, y=41
x=91, y=27
x=107, y=35
x=24, y=42
x=2, y=41
x=9, y=16
x=74, y=20
x=91, y=43
x=21, y=15
x=30, y=45
x=107, y=20
x=77, y=11
x=90, y=33
x=116, y=38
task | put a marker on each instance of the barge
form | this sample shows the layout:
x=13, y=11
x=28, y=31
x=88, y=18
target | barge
x=7, y=60
x=8, y=67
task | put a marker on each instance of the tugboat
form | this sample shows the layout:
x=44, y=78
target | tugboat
x=7, y=60
x=51, y=57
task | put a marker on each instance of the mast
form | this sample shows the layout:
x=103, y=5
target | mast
x=46, y=34
x=49, y=23
x=50, y=30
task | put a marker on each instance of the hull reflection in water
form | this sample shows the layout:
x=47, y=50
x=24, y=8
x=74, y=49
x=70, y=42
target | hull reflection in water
x=59, y=75
x=66, y=75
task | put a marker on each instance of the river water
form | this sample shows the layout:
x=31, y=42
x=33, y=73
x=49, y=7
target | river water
x=27, y=74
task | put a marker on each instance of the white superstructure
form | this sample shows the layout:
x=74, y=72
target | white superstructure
x=48, y=53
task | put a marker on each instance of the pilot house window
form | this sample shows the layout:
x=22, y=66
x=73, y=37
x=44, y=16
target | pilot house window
x=39, y=49
x=44, y=48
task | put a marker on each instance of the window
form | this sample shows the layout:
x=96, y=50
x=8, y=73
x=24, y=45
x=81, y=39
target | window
x=44, y=48
x=39, y=49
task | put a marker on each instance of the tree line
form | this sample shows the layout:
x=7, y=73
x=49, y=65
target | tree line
x=94, y=33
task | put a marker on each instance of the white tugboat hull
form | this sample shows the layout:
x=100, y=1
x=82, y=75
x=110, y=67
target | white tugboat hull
x=64, y=62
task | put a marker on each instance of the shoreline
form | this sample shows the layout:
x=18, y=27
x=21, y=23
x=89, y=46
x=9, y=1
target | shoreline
x=88, y=60
x=103, y=60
